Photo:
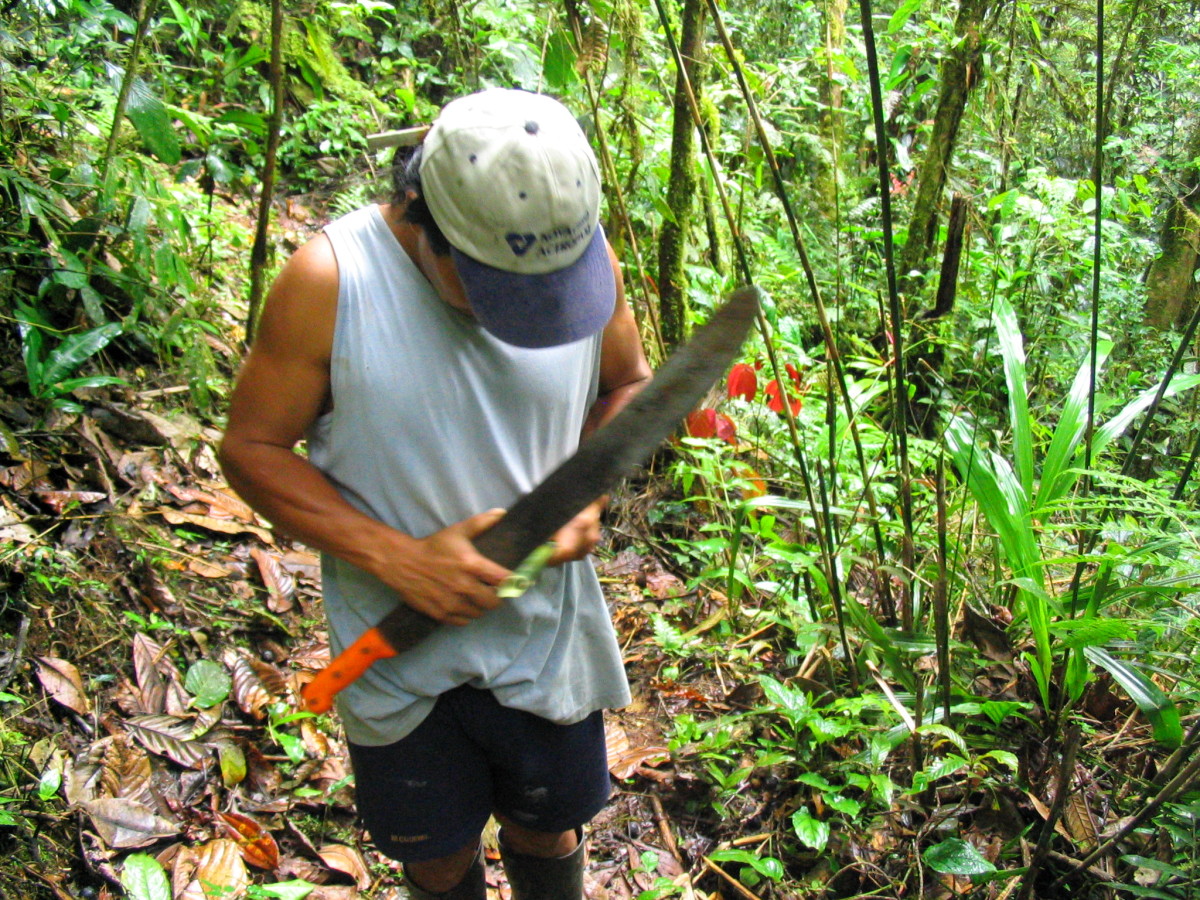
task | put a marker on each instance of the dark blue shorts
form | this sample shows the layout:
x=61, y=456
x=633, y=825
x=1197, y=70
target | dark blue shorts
x=431, y=793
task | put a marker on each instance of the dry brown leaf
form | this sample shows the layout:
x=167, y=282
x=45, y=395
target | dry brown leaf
x=249, y=691
x=155, y=592
x=348, y=860
x=222, y=526
x=82, y=779
x=258, y=847
x=279, y=583
x=219, y=504
x=661, y=585
x=1080, y=820
x=312, y=655
x=124, y=824
x=213, y=871
x=60, y=679
x=206, y=569
x=1044, y=811
x=303, y=564
x=633, y=759
x=336, y=892
x=153, y=669
x=316, y=742
x=126, y=771
x=172, y=737
x=616, y=741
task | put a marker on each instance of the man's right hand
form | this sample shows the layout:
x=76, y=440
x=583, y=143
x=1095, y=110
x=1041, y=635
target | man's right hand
x=443, y=575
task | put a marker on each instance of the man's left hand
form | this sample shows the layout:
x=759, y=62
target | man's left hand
x=579, y=537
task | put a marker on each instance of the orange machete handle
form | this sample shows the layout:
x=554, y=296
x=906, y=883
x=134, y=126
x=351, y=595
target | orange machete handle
x=354, y=660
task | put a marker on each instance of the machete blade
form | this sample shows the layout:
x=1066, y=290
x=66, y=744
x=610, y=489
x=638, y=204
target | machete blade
x=602, y=460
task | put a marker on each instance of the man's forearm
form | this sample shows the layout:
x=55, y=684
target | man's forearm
x=608, y=404
x=296, y=497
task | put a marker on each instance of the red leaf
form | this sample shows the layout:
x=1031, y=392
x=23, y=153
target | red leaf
x=257, y=845
x=792, y=371
x=708, y=423
x=742, y=381
x=775, y=399
x=702, y=423
x=726, y=430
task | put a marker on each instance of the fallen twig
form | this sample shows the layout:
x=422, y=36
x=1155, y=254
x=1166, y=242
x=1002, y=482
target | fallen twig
x=737, y=885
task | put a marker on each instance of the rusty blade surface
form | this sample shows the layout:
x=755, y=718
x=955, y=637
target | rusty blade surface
x=607, y=455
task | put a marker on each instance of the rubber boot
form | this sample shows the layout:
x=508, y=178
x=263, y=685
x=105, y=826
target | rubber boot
x=537, y=878
x=472, y=887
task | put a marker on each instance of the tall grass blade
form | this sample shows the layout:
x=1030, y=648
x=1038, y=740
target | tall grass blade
x=1072, y=422
x=1150, y=699
x=1008, y=334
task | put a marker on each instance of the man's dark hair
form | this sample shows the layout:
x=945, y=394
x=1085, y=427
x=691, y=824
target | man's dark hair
x=406, y=182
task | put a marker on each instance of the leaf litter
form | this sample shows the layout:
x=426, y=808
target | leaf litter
x=167, y=633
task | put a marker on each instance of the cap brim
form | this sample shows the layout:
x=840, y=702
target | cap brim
x=542, y=310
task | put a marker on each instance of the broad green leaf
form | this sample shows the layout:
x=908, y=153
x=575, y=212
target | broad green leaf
x=69, y=384
x=812, y=779
x=296, y=889
x=792, y=703
x=765, y=865
x=902, y=15
x=812, y=832
x=559, y=62
x=233, y=764
x=208, y=682
x=1004, y=758
x=954, y=856
x=143, y=877
x=149, y=116
x=895, y=79
x=1156, y=706
x=49, y=783
x=943, y=731
x=845, y=805
x=75, y=350
x=1091, y=632
x=30, y=325
x=253, y=122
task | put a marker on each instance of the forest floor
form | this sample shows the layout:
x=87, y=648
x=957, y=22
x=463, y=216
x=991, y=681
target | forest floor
x=163, y=632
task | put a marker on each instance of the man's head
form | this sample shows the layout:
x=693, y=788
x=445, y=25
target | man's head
x=510, y=181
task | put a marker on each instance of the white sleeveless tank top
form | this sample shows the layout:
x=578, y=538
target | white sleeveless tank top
x=434, y=420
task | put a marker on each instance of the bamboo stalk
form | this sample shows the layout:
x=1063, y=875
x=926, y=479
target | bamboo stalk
x=896, y=317
x=145, y=11
x=258, y=252
x=833, y=353
x=828, y=563
x=1065, y=772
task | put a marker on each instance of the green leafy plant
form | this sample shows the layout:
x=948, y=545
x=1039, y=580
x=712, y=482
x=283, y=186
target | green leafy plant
x=48, y=370
x=1020, y=505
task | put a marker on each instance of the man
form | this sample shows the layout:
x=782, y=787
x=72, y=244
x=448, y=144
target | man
x=442, y=354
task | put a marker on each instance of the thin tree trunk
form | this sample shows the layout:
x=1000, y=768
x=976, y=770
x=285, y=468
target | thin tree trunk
x=145, y=11
x=830, y=92
x=961, y=72
x=1171, y=289
x=258, y=254
x=672, y=242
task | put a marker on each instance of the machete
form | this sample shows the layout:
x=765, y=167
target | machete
x=604, y=458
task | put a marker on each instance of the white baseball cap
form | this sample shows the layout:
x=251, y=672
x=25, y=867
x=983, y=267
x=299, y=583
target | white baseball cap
x=513, y=184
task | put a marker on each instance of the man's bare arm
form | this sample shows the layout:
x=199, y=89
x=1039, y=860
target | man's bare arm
x=283, y=387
